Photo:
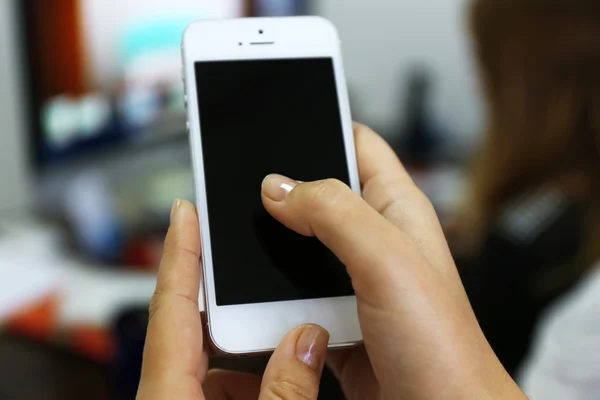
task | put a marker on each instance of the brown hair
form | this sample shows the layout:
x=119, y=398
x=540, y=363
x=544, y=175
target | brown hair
x=540, y=65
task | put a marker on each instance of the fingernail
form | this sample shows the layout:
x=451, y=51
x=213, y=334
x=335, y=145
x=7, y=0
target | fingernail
x=311, y=347
x=277, y=187
x=175, y=209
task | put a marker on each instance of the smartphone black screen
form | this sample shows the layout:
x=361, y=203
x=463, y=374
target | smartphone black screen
x=259, y=117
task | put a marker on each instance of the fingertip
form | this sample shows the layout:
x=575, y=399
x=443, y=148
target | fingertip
x=276, y=187
x=311, y=346
x=175, y=208
x=183, y=212
x=184, y=230
x=364, y=131
x=295, y=368
x=276, y=190
x=359, y=125
x=179, y=270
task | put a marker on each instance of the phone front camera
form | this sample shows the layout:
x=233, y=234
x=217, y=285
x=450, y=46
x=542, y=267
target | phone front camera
x=261, y=31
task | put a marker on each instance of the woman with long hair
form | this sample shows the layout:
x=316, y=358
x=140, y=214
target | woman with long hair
x=531, y=224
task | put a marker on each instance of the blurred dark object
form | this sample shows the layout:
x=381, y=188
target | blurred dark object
x=32, y=371
x=420, y=140
x=130, y=336
x=522, y=267
x=530, y=228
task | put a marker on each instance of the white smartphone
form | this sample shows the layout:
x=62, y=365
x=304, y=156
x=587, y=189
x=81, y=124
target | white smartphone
x=267, y=95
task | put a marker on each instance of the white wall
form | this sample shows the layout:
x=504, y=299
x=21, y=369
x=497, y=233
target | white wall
x=13, y=173
x=381, y=39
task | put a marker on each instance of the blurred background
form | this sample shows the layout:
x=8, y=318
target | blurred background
x=492, y=106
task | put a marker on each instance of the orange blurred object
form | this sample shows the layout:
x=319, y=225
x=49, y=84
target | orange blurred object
x=39, y=321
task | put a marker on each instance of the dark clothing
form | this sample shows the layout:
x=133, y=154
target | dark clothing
x=525, y=264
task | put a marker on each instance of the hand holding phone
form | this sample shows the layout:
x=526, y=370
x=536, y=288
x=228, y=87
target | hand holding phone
x=422, y=340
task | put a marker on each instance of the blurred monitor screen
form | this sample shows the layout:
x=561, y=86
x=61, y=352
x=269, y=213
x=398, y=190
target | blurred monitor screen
x=104, y=73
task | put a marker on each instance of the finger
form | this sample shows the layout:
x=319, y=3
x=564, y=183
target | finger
x=389, y=189
x=173, y=350
x=370, y=246
x=294, y=370
x=227, y=385
x=179, y=271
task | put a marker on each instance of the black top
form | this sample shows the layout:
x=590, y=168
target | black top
x=523, y=267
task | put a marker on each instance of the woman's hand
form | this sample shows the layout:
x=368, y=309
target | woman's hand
x=422, y=340
x=175, y=360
